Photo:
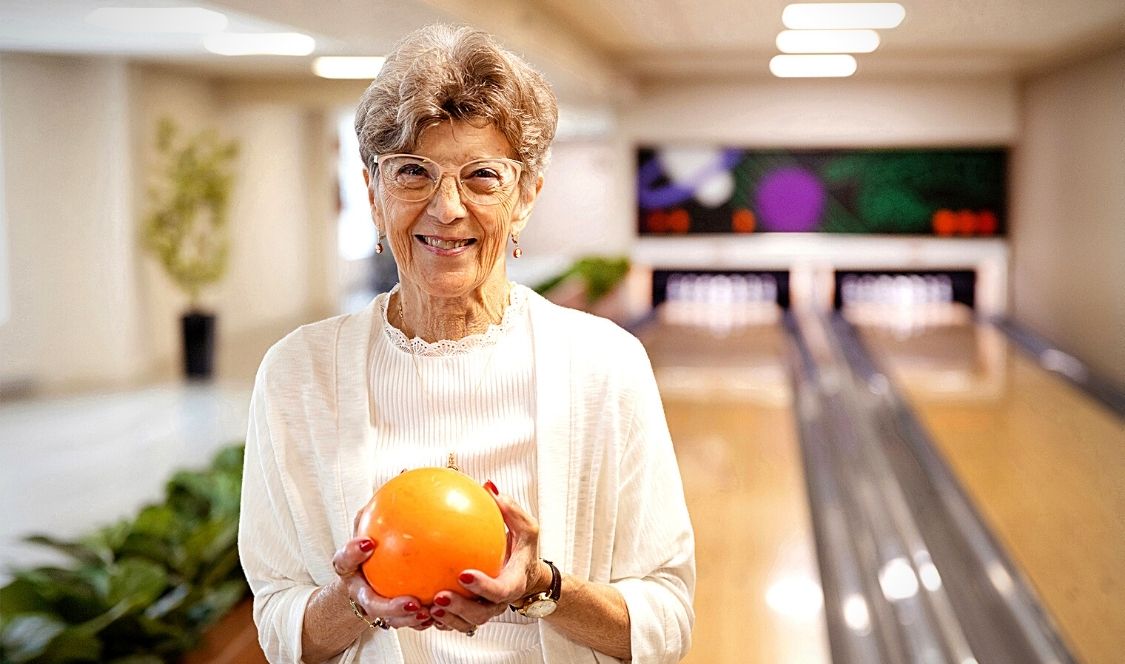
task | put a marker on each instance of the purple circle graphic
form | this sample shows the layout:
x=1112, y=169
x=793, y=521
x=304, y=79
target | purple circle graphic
x=790, y=200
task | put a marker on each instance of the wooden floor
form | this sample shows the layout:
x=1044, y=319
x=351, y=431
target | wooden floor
x=233, y=640
x=1044, y=464
x=728, y=405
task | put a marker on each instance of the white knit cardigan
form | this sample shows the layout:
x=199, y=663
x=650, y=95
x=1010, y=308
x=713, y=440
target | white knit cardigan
x=611, y=504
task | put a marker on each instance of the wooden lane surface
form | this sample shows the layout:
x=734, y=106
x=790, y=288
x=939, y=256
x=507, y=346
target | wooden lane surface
x=728, y=405
x=1044, y=464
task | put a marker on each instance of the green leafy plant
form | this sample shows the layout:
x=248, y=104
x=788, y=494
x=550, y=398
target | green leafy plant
x=187, y=226
x=600, y=276
x=139, y=591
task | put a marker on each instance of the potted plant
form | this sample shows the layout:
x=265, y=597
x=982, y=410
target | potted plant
x=138, y=591
x=186, y=228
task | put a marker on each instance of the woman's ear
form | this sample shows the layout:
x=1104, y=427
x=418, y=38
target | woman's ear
x=527, y=202
x=376, y=213
x=370, y=187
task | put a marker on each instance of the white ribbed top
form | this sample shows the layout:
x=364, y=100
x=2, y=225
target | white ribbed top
x=474, y=397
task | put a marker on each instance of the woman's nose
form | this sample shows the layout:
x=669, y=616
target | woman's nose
x=446, y=205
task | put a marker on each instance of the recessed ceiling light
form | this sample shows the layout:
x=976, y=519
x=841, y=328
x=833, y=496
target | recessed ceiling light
x=158, y=19
x=845, y=16
x=348, y=67
x=812, y=66
x=827, y=41
x=259, y=43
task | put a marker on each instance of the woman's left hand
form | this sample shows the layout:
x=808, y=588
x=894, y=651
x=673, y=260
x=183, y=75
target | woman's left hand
x=517, y=579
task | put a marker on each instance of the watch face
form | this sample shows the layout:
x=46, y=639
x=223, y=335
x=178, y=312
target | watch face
x=539, y=608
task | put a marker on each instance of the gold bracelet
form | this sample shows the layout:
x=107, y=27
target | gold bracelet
x=378, y=622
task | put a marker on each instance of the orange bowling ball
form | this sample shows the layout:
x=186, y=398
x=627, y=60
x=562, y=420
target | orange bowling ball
x=429, y=525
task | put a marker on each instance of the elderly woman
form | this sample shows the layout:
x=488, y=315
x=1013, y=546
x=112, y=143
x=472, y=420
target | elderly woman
x=555, y=411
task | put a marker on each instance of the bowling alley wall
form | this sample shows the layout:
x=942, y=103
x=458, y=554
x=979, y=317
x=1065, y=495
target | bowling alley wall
x=1035, y=216
x=86, y=306
x=1068, y=211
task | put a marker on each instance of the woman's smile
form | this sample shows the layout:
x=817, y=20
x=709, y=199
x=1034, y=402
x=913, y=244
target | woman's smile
x=445, y=246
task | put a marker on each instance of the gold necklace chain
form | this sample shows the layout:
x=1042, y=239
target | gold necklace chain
x=451, y=461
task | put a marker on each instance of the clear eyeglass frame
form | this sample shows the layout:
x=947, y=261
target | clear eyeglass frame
x=418, y=187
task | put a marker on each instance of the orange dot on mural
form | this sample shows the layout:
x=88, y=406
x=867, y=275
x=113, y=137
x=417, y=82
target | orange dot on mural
x=743, y=221
x=679, y=221
x=944, y=222
x=966, y=222
x=655, y=222
x=987, y=223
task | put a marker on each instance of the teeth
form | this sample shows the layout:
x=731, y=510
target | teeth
x=444, y=244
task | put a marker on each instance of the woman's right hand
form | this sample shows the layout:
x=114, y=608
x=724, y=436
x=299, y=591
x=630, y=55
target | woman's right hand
x=404, y=611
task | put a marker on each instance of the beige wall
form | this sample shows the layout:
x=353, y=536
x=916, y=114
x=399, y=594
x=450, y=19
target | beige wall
x=269, y=280
x=1068, y=211
x=579, y=211
x=68, y=192
x=5, y=260
x=88, y=306
x=828, y=113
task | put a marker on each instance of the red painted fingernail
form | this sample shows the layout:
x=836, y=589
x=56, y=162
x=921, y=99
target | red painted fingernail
x=366, y=545
x=427, y=623
x=439, y=613
x=411, y=606
x=466, y=578
x=422, y=615
x=442, y=600
x=492, y=487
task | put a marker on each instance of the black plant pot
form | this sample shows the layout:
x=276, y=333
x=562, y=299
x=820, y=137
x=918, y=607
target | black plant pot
x=199, y=344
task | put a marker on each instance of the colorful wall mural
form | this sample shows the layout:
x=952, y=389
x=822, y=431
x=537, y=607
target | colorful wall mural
x=729, y=190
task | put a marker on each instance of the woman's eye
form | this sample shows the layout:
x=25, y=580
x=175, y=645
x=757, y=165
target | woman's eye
x=485, y=173
x=413, y=170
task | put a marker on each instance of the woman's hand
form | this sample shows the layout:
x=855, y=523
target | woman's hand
x=405, y=611
x=521, y=575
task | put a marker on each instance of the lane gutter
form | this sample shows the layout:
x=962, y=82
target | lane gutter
x=908, y=569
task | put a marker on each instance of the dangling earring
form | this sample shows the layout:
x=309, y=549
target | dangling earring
x=379, y=243
x=517, y=252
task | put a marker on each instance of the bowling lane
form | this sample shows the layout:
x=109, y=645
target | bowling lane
x=1043, y=463
x=728, y=402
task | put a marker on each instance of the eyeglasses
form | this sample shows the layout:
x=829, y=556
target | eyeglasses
x=411, y=178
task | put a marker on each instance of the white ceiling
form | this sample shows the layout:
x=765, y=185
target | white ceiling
x=629, y=27
x=600, y=45
x=655, y=38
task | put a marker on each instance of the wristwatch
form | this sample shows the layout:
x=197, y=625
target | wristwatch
x=541, y=605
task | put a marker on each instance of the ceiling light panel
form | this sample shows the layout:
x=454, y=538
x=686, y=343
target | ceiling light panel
x=812, y=66
x=348, y=67
x=827, y=41
x=192, y=20
x=847, y=16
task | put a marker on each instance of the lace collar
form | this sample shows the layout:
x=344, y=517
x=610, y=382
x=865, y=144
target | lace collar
x=447, y=347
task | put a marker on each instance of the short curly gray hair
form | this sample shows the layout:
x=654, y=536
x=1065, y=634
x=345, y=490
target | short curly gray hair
x=442, y=72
